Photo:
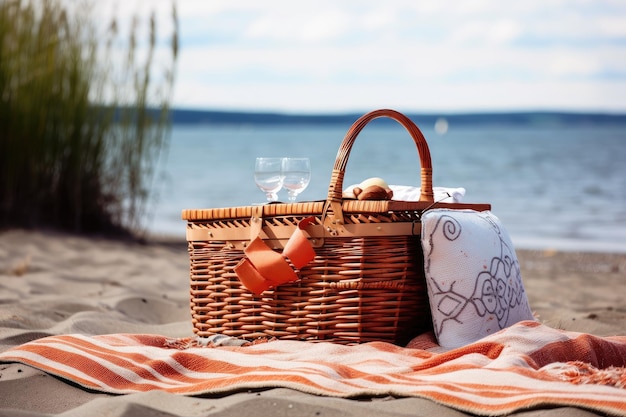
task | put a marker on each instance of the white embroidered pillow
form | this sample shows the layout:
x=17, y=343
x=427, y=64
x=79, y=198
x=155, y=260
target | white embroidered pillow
x=472, y=275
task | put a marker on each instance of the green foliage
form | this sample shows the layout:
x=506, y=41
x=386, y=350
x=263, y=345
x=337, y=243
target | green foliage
x=82, y=126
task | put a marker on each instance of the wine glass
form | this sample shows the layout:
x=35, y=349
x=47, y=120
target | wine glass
x=268, y=176
x=297, y=175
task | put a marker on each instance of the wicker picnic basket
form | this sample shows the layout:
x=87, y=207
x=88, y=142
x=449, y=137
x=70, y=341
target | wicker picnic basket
x=365, y=282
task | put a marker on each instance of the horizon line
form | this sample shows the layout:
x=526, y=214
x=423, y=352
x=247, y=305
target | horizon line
x=533, y=118
x=283, y=112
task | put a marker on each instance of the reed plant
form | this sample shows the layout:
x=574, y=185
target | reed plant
x=83, y=116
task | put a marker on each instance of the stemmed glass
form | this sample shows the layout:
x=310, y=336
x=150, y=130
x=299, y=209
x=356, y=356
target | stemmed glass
x=297, y=175
x=269, y=177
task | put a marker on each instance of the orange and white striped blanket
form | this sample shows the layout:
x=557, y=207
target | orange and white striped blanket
x=528, y=365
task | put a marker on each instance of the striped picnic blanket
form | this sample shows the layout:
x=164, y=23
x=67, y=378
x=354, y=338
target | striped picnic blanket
x=528, y=365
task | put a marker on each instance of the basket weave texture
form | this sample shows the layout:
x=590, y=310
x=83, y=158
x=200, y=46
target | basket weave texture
x=366, y=282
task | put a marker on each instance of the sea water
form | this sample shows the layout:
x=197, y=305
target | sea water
x=551, y=186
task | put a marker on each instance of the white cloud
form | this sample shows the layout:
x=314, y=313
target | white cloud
x=485, y=54
x=298, y=25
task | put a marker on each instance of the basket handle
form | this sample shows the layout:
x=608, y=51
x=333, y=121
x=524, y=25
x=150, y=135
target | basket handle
x=335, y=189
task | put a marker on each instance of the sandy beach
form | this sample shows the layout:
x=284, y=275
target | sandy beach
x=53, y=284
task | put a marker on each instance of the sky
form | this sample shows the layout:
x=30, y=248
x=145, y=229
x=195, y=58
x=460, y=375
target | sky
x=330, y=56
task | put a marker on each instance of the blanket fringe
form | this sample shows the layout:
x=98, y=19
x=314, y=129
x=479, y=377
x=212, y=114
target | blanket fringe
x=212, y=341
x=577, y=372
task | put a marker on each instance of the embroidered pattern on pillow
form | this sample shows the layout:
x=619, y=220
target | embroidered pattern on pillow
x=473, y=276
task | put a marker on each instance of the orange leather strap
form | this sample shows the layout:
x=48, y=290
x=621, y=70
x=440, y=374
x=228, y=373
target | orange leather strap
x=264, y=268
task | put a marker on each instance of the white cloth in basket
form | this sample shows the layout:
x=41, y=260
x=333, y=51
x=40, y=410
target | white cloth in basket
x=410, y=193
x=442, y=194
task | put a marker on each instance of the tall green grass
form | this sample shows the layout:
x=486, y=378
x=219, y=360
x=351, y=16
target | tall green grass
x=83, y=116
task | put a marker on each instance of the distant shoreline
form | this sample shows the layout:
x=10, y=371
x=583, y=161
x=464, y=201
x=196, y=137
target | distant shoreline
x=523, y=118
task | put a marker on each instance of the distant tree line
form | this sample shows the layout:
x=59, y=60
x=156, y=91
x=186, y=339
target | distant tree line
x=528, y=118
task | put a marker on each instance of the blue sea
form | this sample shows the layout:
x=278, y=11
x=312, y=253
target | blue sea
x=553, y=187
